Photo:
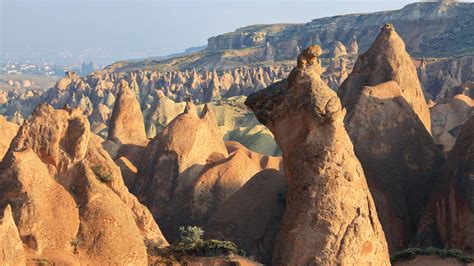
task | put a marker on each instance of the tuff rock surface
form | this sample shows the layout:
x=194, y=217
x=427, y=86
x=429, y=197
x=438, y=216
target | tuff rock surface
x=400, y=159
x=251, y=216
x=68, y=197
x=330, y=216
x=126, y=123
x=450, y=212
x=450, y=113
x=386, y=60
x=384, y=101
x=8, y=131
x=186, y=171
x=11, y=247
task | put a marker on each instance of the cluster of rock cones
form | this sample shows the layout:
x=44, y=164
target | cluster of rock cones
x=360, y=176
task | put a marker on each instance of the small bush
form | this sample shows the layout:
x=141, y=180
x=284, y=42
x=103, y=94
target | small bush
x=411, y=253
x=193, y=244
x=215, y=247
x=191, y=235
x=102, y=174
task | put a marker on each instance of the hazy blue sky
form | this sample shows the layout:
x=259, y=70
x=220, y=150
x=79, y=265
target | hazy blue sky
x=127, y=29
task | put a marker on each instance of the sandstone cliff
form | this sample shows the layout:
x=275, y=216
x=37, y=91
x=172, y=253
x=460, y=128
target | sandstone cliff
x=435, y=29
x=330, y=217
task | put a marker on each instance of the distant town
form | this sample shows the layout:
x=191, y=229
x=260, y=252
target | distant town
x=45, y=69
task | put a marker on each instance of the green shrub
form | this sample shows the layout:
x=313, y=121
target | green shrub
x=411, y=253
x=191, y=235
x=193, y=244
x=215, y=247
x=101, y=173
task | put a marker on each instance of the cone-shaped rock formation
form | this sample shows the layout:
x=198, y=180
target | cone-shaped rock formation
x=399, y=157
x=8, y=131
x=126, y=124
x=11, y=247
x=386, y=60
x=68, y=196
x=330, y=217
x=187, y=172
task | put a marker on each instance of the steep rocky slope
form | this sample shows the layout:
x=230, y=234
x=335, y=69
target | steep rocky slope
x=127, y=138
x=386, y=60
x=401, y=171
x=399, y=157
x=451, y=208
x=251, y=216
x=11, y=247
x=330, y=217
x=8, y=131
x=126, y=122
x=450, y=114
x=68, y=197
x=186, y=172
x=441, y=75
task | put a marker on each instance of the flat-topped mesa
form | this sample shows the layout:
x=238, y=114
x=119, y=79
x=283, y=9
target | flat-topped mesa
x=386, y=60
x=126, y=123
x=330, y=216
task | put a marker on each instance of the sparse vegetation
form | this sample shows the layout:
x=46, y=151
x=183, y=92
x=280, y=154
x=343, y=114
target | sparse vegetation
x=192, y=244
x=76, y=242
x=102, y=174
x=191, y=235
x=43, y=262
x=411, y=253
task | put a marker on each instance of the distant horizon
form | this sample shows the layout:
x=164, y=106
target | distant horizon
x=106, y=31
